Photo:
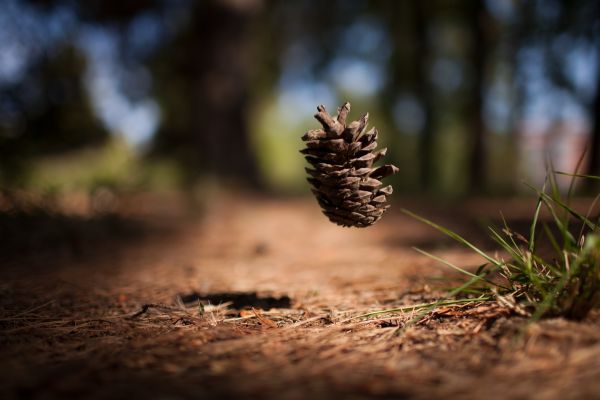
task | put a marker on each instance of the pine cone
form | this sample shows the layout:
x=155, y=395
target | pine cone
x=344, y=181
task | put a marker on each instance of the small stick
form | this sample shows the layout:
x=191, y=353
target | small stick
x=146, y=307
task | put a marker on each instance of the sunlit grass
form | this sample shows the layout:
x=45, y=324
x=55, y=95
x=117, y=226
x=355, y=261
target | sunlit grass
x=276, y=144
x=564, y=283
x=114, y=165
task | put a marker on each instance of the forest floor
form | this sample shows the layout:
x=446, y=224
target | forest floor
x=262, y=298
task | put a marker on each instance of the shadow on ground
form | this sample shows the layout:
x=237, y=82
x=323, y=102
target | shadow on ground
x=238, y=300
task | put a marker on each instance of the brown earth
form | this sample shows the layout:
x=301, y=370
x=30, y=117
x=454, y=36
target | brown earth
x=262, y=298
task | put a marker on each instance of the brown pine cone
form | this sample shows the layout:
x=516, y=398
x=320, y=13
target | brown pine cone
x=343, y=178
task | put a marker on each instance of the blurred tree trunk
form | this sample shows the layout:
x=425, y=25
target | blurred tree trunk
x=423, y=90
x=477, y=156
x=221, y=96
x=404, y=68
x=517, y=30
x=594, y=147
x=206, y=100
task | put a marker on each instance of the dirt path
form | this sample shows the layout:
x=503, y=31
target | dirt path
x=127, y=324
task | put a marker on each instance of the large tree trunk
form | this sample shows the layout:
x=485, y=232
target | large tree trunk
x=423, y=89
x=477, y=157
x=223, y=62
x=204, y=90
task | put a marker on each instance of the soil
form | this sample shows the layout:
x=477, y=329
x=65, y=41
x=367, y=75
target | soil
x=264, y=298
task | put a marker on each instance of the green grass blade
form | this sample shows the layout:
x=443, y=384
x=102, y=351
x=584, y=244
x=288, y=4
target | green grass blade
x=414, y=307
x=596, y=177
x=514, y=251
x=571, y=184
x=588, y=213
x=552, y=239
x=457, y=268
x=575, y=214
x=512, y=240
x=536, y=216
x=549, y=200
x=454, y=236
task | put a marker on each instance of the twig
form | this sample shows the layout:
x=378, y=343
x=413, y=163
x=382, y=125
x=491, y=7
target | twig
x=29, y=311
x=415, y=307
x=148, y=306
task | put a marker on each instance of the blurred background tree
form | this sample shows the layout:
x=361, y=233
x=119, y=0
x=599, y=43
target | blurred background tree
x=203, y=80
x=470, y=96
x=47, y=112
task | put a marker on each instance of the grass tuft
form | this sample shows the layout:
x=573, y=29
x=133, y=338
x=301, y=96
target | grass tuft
x=553, y=272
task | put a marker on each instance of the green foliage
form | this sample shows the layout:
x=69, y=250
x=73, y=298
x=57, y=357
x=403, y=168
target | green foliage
x=114, y=165
x=565, y=282
x=276, y=142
